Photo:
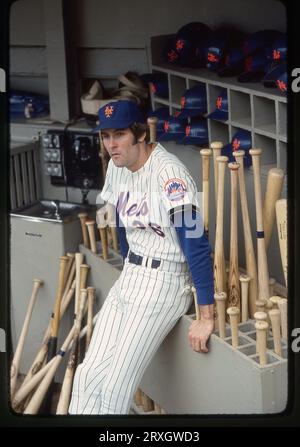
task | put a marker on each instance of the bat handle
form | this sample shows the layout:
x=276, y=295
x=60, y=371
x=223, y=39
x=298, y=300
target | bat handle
x=220, y=298
x=282, y=306
x=205, y=154
x=261, y=337
x=234, y=315
x=244, y=280
x=83, y=218
x=152, y=123
x=274, y=315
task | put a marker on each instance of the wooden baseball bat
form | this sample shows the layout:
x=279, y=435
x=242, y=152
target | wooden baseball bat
x=273, y=193
x=219, y=259
x=52, y=344
x=220, y=298
x=234, y=295
x=269, y=305
x=104, y=243
x=71, y=258
x=282, y=306
x=260, y=315
x=69, y=281
x=65, y=394
x=245, y=280
x=261, y=305
x=78, y=261
x=138, y=397
x=42, y=352
x=91, y=298
x=249, y=249
x=152, y=123
x=38, y=373
x=30, y=385
x=91, y=231
x=262, y=264
x=261, y=337
x=234, y=316
x=272, y=283
x=281, y=218
x=42, y=390
x=206, y=155
x=37, y=283
x=147, y=403
x=274, y=315
x=84, y=270
x=216, y=147
x=274, y=299
x=56, y=318
x=83, y=218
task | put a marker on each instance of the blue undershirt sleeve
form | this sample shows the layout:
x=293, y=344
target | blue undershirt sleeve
x=188, y=223
x=122, y=237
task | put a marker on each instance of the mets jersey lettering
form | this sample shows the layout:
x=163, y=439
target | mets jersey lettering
x=144, y=199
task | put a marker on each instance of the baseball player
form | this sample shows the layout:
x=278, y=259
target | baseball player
x=164, y=249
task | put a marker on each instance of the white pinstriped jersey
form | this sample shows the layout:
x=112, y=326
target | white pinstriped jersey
x=144, y=198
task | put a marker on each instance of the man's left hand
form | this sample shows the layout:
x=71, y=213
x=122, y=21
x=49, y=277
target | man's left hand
x=199, y=333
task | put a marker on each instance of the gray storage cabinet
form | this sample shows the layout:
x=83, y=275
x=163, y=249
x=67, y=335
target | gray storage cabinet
x=224, y=381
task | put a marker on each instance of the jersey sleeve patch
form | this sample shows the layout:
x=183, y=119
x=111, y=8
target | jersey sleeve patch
x=175, y=189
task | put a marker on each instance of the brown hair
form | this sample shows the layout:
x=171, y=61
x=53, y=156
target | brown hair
x=138, y=129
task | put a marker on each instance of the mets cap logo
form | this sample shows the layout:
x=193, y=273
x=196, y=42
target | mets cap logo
x=219, y=102
x=108, y=111
x=153, y=87
x=166, y=126
x=236, y=144
x=211, y=57
x=172, y=55
x=276, y=54
x=175, y=189
x=179, y=44
x=281, y=85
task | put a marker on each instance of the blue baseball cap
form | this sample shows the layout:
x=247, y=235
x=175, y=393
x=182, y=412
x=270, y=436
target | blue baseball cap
x=255, y=67
x=258, y=40
x=277, y=77
x=158, y=83
x=173, y=129
x=181, y=49
x=278, y=49
x=221, y=112
x=233, y=62
x=193, y=102
x=219, y=44
x=118, y=115
x=241, y=140
x=196, y=132
x=187, y=41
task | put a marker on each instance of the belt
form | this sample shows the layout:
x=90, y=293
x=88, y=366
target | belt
x=142, y=260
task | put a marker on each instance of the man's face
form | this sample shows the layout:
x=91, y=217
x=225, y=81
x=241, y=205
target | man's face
x=119, y=143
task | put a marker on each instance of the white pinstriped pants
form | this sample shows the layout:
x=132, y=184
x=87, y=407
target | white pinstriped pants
x=141, y=308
